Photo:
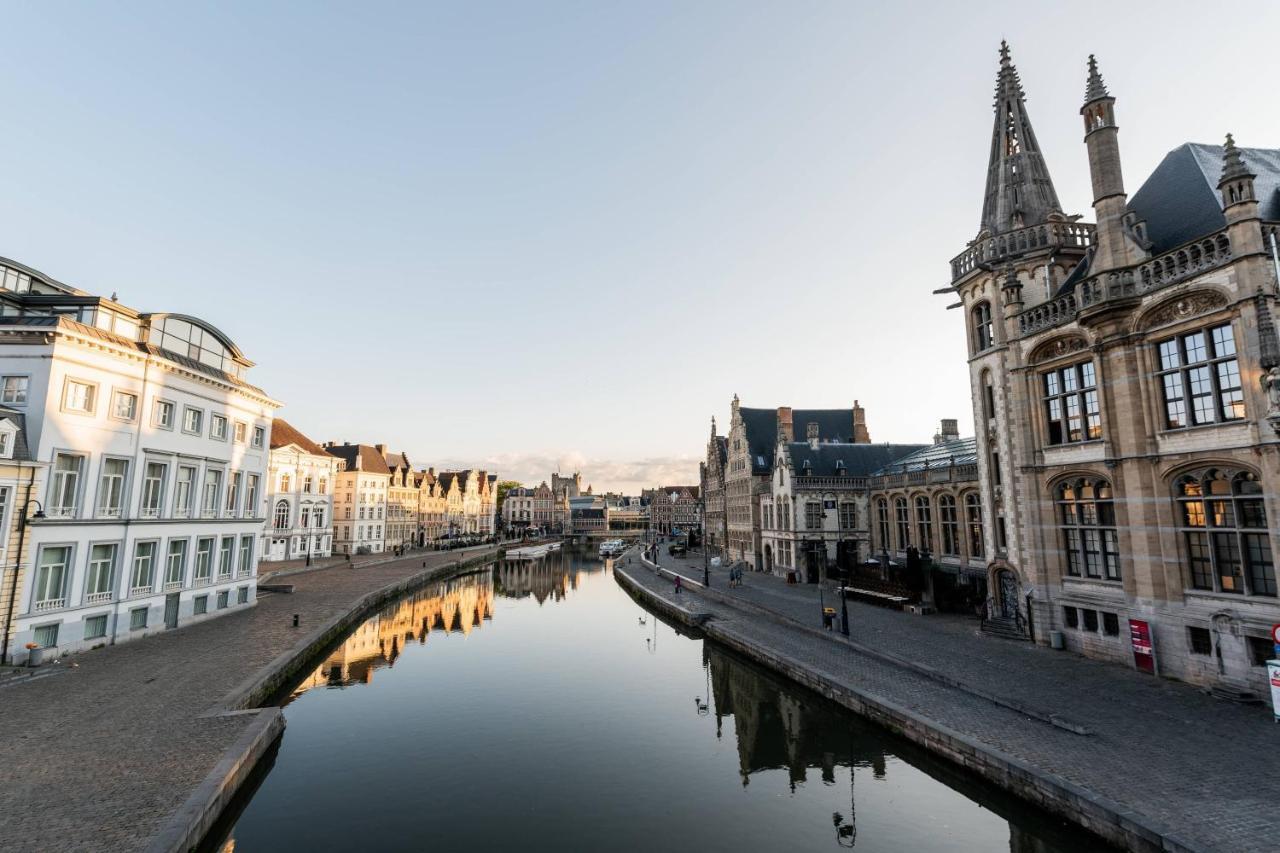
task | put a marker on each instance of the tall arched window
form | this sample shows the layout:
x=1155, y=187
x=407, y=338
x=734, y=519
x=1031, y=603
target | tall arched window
x=902, y=520
x=983, y=335
x=1224, y=524
x=1087, y=518
x=882, y=523
x=924, y=523
x=950, y=526
x=281, y=520
x=973, y=520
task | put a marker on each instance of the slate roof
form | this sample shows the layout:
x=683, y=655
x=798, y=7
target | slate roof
x=21, y=452
x=1180, y=199
x=761, y=427
x=959, y=451
x=284, y=433
x=859, y=460
x=397, y=460
x=360, y=457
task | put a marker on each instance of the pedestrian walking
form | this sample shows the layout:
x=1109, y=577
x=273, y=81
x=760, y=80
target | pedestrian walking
x=677, y=584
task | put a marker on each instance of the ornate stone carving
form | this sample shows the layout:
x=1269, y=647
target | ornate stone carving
x=1190, y=305
x=1058, y=347
x=1271, y=383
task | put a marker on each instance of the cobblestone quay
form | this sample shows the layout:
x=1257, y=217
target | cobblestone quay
x=1161, y=765
x=111, y=754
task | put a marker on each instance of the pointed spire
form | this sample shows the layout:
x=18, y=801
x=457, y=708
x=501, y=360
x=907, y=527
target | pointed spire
x=1019, y=190
x=1095, y=89
x=1233, y=165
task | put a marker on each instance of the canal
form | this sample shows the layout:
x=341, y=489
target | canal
x=539, y=707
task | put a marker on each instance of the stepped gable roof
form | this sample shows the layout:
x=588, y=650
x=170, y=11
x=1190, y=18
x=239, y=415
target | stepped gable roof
x=447, y=478
x=21, y=452
x=360, y=457
x=761, y=425
x=1180, y=201
x=855, y=460
x=284, y=433
x=397, y=460
x=959, y=451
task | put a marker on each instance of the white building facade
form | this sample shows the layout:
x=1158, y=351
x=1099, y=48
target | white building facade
x=360, y=499
x=300, y=482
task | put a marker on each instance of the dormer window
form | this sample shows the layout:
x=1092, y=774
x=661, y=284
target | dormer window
x=7, y=433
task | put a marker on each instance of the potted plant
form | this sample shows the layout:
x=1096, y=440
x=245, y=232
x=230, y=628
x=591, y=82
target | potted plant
x=35, y=654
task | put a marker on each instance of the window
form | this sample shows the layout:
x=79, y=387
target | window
x=175, y=569
x=882, y=522
x=950, y=525
x=102, y=572
x=137, y=618
x=124, y=406
x=242, y=595
x=46, y=636
x=813, y=515
x=306, y=485
x=218, y=428
x=52, y=573
x=95, y=627
x=13, y=390
x=1071, y=616
x=204, y=559
x=903, y=521
x=1224, y=526
x=241, y=431
x=164, y=414
x=183, y=487
x=79, y=396
x=924, y=523
x=324, y=485
x=305, y=520
x=251, y=496
x=1090, y=620
x=142, y=580
x=111, y=488
x=212, y=490
x=233, y=494
x=1199, y=641
x=259, y=436
x=1071, y=404
x=983, y=332
x=1261, y=650
x=988, y=396
x=1087, y=519
x=281, y=517
x=222, y=600
x=973, y=518
x=153, y=489
x=200, y=605
x=848, y=516
x=193, y=420
x=226, y=554
x=64, y=490
x=1200, y=378
x=1110, y=624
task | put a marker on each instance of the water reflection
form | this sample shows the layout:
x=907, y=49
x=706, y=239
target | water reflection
x=552, y=576
x=455, y=606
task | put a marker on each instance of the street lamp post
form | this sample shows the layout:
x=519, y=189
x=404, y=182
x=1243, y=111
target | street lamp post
x=13, y=588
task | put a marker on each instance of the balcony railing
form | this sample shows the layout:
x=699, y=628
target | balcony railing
x=50, y=604
x=97, y=597
x=140, y=590
x=995, y=249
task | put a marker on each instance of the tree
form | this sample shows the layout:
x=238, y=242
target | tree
x=504, y=486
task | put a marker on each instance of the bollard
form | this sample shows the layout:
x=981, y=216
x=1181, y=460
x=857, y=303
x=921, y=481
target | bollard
x=424, y=564
x=295, y=620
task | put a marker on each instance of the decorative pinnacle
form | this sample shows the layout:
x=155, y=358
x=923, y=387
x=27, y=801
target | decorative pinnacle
x=1096, y=89
x=1233, y=165
x=1007, y=83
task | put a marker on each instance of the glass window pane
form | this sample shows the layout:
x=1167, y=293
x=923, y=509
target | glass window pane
x=1169, y=355
x=1224, y=342
x=1193, y=345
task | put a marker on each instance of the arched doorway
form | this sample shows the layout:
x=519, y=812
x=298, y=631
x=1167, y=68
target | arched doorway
x=1005, y=589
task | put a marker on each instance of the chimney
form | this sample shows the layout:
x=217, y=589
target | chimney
x=785, y=430
x=432, y=470
x=860, y=434
x=381, y=448
x=811, y=433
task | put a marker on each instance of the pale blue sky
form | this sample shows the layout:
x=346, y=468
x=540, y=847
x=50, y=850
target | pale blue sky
x=511, y=233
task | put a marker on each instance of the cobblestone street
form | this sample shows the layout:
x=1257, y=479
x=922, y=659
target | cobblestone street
x=1201, y=769
x=98, y=756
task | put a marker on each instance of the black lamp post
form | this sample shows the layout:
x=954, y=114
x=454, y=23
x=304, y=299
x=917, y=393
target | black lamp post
x=13, y=587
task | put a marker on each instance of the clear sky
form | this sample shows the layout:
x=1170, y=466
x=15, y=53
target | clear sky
x=516, y=234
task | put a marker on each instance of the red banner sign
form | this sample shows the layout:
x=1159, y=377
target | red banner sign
x=1144, y=652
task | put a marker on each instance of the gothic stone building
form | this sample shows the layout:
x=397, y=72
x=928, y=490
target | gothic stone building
x=712, y=477
x=1126, y=388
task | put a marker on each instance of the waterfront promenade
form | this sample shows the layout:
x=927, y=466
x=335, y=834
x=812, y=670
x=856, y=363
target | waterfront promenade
x=1182, y=769
x=101, y=756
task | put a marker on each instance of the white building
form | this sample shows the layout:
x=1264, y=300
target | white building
x=156, y=449
x=299, y=497
x=360, y=498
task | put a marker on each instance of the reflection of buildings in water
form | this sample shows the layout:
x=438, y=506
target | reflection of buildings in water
x=457, y=605
x=552, y=576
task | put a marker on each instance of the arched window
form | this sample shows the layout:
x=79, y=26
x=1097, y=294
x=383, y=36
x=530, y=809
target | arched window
x=882, y=523
x=973, y=520
x=924, y=523
x=1224, y=524
x=281, y=520
x=983, y=336
x=950, y=526
x=902, y=521
x=1087, y=519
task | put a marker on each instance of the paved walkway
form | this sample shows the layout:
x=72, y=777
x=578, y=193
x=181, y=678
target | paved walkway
x=1204, y=769
x=99, y=756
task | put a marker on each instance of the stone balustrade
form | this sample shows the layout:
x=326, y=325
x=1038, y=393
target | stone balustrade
x=1045, y=236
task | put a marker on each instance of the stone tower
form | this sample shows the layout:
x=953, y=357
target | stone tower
x=1117, y=246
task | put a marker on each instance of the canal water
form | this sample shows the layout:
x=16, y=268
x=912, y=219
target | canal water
x=538, y=707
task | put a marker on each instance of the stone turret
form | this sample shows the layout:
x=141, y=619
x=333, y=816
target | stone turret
x=860, y=434
x=1114, y=248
